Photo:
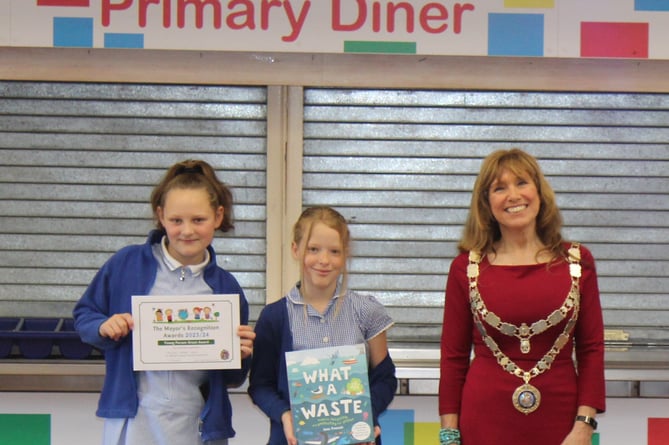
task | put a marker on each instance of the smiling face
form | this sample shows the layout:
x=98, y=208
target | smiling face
x=190, y=222
x=514, y=201
x=323, y=258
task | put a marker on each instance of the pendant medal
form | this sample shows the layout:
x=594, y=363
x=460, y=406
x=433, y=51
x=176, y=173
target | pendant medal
x=526, y=398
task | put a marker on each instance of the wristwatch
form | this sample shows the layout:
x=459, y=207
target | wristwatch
x=589, y=420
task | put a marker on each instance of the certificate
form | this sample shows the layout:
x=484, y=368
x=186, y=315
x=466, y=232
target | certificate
x=176, y=332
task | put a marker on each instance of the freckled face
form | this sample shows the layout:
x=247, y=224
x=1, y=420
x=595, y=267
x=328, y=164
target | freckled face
x=190, y=223
x=322, y=259
x=514, y=201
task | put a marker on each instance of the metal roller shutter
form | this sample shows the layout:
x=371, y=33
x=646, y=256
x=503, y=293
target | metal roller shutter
x=79, y=161
x=400, y=165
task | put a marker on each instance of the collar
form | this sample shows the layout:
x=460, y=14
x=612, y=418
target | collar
x=295, y=296
x=173, y=264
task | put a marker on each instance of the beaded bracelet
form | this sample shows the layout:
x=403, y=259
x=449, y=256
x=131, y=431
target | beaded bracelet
x=449, y=436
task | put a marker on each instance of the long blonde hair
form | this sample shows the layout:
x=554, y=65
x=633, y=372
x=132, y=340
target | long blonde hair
x=481, y=230
x=334, y=220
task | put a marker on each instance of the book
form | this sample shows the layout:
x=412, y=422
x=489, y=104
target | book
x=330, y=397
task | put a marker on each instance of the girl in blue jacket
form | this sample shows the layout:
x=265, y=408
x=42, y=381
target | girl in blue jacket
x=318, y=312
x=165, y=407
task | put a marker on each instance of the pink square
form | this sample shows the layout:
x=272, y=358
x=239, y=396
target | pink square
x=619, y=40
x=84, y=3
x=658, y=431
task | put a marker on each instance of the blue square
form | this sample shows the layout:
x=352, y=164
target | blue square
x=651, y=5
x=516, y=35
x=118, y=40
x=73, y=32
x=392, y=424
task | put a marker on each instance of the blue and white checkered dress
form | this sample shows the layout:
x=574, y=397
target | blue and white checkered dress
x=349, y=319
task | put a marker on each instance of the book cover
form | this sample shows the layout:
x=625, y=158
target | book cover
x=329, y=395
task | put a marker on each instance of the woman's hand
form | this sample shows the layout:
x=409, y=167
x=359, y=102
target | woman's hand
x=580, y=434
x=247, y=336
x=287, y=421
x=117, y=326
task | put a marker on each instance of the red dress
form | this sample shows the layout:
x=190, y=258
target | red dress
x=480, y=391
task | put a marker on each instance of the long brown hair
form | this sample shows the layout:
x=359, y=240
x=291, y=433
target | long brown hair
x=481, y=229
x=194, y=174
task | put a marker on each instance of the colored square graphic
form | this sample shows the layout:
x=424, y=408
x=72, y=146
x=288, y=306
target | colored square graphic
x=515, y=34
x=426, y=433
x=658, y=431
x=79, y=3
x=72, y=32
x=393, y=424
x=359, y=46
x=529, y=3
x=33, y=429
x=118, y=40
x=651, y=5
x=607, y=39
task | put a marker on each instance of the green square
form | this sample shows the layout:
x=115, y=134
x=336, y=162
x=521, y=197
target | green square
x=25, y=429
x=408, y=433
x=595, y=439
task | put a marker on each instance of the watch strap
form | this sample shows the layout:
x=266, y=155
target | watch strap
x=589, y=420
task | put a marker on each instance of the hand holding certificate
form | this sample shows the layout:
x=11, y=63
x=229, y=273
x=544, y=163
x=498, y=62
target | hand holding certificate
x=185, y=332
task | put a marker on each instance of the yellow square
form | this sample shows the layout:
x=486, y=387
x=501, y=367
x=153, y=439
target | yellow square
x=529, y=3
x=426, y=433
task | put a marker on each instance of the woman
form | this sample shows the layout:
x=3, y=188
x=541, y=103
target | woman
x=525, y=300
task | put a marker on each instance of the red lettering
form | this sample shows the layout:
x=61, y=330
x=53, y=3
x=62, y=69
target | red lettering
x=264, y=14
x=199, y=6
x=376, y=17
x=347, y=15
x=458, y=10
x=393, y=8
x=296, y=21
x=337, y=24
x=432, y=17
x=108, y=7
x=426, y=16
x=241, y=19
x=144, y=6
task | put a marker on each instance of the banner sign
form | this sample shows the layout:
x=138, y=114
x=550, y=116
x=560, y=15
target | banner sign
x=536, y=28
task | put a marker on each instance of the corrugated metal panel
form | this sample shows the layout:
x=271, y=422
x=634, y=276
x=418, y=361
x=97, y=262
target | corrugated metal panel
x=400, y=165
x=79, y=161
